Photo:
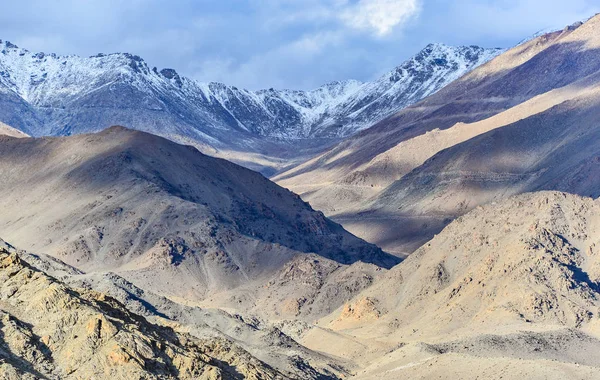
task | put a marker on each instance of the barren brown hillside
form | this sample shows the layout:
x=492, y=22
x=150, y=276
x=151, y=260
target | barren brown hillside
x=541, y=92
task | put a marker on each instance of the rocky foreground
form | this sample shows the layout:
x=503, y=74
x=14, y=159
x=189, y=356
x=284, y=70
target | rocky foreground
x=50, y=330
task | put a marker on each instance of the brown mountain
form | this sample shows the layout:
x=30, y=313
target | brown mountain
x=508, y=290
x=160, y=214
x=525, y=121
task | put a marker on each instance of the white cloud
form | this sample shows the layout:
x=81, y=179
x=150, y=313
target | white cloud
x=380, y=16
x=277, y=43
x=324, y=36
x=377, y=17
x=280, y=63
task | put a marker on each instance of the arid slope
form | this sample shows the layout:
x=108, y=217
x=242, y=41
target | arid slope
x=49, y=330
x=7, y=130
x=509, y=289
x=162, y=215
x=525, y=105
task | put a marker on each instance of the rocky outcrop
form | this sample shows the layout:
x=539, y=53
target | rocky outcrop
x=49, y=330
x=528, y=261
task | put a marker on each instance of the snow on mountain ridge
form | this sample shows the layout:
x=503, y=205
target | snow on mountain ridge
x=430, y=70
x=25, y=72
x=60, y=90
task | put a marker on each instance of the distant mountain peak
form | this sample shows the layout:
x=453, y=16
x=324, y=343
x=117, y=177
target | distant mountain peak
x=8, y=44
x=63, y=95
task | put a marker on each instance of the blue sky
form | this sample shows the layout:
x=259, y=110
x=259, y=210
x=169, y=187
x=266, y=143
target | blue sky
x=278, y=43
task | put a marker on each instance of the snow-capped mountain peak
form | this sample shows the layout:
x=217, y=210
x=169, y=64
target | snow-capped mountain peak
x=57, y=95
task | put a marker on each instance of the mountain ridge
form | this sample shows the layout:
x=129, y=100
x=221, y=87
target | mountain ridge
x=156, y=212
x=488, y=135
x=50, y=94
x=50, y=330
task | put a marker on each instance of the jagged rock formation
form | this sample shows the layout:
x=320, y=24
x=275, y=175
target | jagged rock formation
x=46, y=94
x=528, y=260
x=49, y=330
x=261, y=338
x=525, y=121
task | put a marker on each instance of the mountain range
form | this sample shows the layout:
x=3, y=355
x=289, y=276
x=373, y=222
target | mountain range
x=137, y=204
x=475, y=211
x=50, y=95
x=153, y=223
x=525, y=121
